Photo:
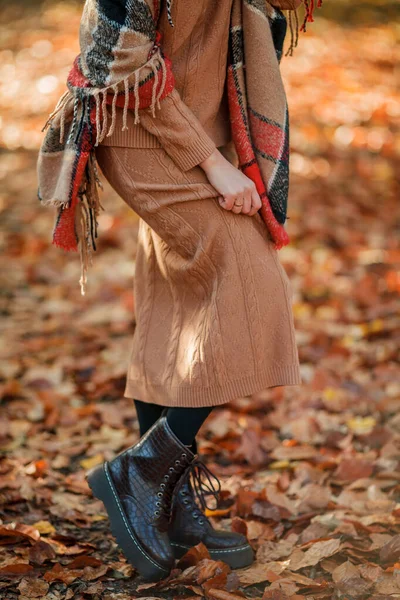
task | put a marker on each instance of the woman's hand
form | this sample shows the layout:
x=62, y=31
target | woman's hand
x=238, y=192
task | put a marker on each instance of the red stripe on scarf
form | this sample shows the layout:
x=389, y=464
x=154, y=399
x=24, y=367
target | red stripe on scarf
x=64, y=235
x=267, y=137
x=246, y=155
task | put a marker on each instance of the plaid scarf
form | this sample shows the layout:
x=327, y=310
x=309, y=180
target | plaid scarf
x=113, y=37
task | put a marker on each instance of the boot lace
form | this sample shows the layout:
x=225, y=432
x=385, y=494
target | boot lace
x=162, y=512
x=203, y=482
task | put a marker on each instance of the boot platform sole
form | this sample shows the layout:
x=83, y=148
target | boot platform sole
x=103, y=489
x=236, y=558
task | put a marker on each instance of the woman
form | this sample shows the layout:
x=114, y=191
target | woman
x=212, y=301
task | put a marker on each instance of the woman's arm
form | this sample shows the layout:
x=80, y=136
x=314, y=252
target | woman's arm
x=116, y=42
x=179, y=131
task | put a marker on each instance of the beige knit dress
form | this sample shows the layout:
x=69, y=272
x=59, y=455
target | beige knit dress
x=213, y=304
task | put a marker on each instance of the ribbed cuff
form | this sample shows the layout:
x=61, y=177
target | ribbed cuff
x=190, y=156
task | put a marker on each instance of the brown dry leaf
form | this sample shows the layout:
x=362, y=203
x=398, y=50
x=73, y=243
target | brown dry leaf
x=223, y=595
x=59, y=573
x=33, y=587
x=66, y=575
x=317, y=552
x=274, y=595
x=279, y=499
x=62, y=550
x=314, y=497
x=258, y=572
x=16, y=530
x=244, y=502
x=271, y=551
x=16, y=569
x=238, y=525
x=207, y=569
x=285, y=585
x=388, y=584
x=94, y=588
x=370, y=572
x=294, y=453
x=193, y=556
x=250, y=448
x=351, y=469
x=40, y=552
x=390, y=552
x=348, y=580
x=84, y=561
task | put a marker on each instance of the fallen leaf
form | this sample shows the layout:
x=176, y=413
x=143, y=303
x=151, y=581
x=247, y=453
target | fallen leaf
x=316, y=553
x=33, y=587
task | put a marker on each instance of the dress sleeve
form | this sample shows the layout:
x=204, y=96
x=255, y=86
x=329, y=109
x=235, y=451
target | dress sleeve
x=179, y=131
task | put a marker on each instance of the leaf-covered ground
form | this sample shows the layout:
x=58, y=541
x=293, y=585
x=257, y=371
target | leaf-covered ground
x=310, y=473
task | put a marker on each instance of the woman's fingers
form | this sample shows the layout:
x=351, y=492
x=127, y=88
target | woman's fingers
x=246, y=202
x=238, y=204
x=255, y=202
x=246, y=208
x=227, y=201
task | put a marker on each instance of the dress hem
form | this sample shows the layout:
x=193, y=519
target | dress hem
x=192, y=396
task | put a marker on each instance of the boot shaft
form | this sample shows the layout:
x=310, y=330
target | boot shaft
x=150, y=470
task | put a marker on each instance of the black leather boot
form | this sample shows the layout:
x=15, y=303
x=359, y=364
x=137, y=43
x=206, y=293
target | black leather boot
x=136, y=488
x=189, y=526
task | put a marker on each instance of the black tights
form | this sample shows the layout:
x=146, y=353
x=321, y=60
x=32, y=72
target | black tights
x=184, y=422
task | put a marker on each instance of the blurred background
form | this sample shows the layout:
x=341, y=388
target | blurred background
x=64, y=356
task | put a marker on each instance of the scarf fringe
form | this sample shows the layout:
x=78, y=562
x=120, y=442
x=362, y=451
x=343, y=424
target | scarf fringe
x=309, y=16
x=76, y=106
x=87, y=212
x=293, y=19
x=156, y=64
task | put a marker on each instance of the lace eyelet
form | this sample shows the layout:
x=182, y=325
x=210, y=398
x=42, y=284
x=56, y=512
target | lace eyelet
x=171, y=469
x=162, y=486
x=158, y=503
x=201, y=521
x=183, y=455
x=159, y=494
x=177, y=462
x=166, y=477
x=186, y=501
x=195, y=516
x=156, y=513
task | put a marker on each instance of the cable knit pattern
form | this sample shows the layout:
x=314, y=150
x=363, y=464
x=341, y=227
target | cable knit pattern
x=214, y=320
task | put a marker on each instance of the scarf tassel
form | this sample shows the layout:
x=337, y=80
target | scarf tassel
x=293, y=19
x=76, y=226
x=309, y=16
x=87, y=211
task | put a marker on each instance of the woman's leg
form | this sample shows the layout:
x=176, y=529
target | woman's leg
x=147, y=414
x=184, y=422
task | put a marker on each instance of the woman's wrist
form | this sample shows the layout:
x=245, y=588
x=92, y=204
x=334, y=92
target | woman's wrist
x=211, y=160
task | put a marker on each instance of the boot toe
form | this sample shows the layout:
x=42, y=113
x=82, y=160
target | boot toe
x=220, y=540
x=232, y=548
